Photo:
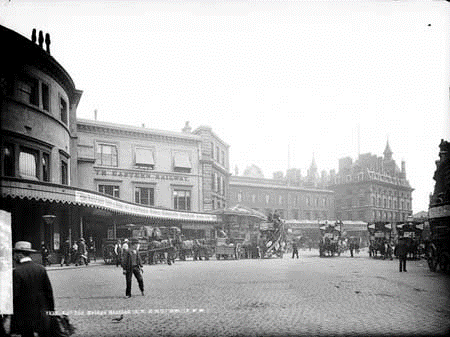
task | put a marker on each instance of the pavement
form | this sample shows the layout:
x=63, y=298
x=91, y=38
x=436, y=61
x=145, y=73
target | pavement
x=311, y=296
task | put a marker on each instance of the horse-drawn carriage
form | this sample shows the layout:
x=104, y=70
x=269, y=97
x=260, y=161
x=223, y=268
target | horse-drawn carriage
x=329, y=244
x=438, y=246
x=380, y=241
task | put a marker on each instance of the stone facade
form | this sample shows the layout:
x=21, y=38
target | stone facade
x=141, y=165
x=372, y=189
x=214, y=168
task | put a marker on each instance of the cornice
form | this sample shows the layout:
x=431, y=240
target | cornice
x=128, y=133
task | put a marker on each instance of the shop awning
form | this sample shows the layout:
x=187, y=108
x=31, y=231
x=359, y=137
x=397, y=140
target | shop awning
x=16, y=188
x=181, y=160
x=144, y=157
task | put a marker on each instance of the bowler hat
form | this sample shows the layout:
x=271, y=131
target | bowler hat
x=23, y=246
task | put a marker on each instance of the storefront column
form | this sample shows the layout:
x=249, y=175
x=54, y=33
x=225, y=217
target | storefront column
x=81, y=226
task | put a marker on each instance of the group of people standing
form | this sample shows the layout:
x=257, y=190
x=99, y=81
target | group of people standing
x=80, y=253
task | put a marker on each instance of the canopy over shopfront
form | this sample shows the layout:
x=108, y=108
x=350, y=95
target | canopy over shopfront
x=82, y=213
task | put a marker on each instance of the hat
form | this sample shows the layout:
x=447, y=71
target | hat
x=82, y=239
x=126, y=240
x=23, y=246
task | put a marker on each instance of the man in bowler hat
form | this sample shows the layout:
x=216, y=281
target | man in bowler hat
x=132, y=264
x=32, y=294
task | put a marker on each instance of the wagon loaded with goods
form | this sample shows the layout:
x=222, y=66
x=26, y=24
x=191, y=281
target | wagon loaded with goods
x=438, y=246
x=329, y=244
x=380, y=239
x=272, y=237
x=227, y=250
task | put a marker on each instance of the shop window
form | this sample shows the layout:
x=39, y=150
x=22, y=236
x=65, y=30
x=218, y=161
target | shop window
x=28, y=91
x=63, y=109
x=28, y=164
x=45, y=167
x=145, y=196
x=112, y=190
x=182, y=200
x=64, y=173
x=8, y=160
x=106, y=155
x=45, y=97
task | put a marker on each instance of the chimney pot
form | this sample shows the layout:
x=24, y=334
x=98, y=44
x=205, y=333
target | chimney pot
x=41, y=39
x=47, y=42
x=33, y=35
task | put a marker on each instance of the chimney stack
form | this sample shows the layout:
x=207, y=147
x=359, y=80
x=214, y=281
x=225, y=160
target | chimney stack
x=187, y=128
x=95, y=114
x=143, y=125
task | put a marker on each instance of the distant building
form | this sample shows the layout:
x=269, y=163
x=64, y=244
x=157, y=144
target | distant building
x=290, y=200
x=371, y=189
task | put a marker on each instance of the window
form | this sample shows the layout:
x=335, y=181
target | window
x=223, y=186
x=45, y=167
x=182, y=162
x=182, y=200
x=144, y=157
x=111, y=190
x=307, y=202
x=144, y=196
x=8, y=160
x=280, y=199
x=28, y=164
x=295, y=214
x=63, y=110
x=45, y=97
x=253, y=198
x=239, y=196
x=212, y=150
x=106, y=155
x=384, y=203
x=64, y=173
x=215, y=187
x=267, y=198
x=222, y=159
x=217, y=153
x=27, y=91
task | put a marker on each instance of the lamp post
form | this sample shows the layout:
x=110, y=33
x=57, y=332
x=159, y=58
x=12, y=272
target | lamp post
x=49, y=219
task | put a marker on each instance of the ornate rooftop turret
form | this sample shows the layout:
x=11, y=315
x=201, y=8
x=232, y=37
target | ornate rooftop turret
x=387, y=152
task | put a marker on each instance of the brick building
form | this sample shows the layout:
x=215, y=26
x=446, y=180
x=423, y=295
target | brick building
x=372, y=189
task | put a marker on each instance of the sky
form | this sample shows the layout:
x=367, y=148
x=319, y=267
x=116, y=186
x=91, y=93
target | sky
x=278, y=81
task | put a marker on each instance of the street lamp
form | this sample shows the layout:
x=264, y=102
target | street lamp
x=49, y=219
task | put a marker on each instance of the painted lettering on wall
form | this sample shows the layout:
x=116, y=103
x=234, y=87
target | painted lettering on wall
x=140, y=175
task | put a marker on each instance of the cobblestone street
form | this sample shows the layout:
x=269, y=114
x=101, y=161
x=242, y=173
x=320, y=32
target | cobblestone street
x=305, y=296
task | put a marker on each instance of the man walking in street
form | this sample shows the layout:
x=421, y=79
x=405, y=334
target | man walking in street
x=82, y=253
x=32, y=294
x=45, y=253
x=132, y=264
x=401, y=250
x=294, y=249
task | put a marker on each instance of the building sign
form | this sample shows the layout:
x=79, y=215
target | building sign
x=141, y=175
x=439, y=212
x=6, y=287
x=92, y=199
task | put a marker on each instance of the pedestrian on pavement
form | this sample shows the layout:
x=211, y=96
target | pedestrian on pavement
x=32, y=294
x=294, y=249
x=132, y=264
x=45, y=254
x=75, y=253
x=65, y=258
x=82, y=253
x=118, y=253
x=91, y=249
x=401, y=250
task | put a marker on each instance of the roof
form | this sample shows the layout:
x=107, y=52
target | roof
x=240, y=210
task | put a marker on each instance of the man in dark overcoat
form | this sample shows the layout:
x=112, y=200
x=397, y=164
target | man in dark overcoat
x=32, y=294
x=294, y=249
x=132, y=264
x=401, y=250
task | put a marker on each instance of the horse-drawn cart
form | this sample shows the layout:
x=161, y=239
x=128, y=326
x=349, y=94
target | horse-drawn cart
x=329, y=242
x=380, y=240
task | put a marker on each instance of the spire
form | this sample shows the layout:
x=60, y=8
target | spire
x=387, y=151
